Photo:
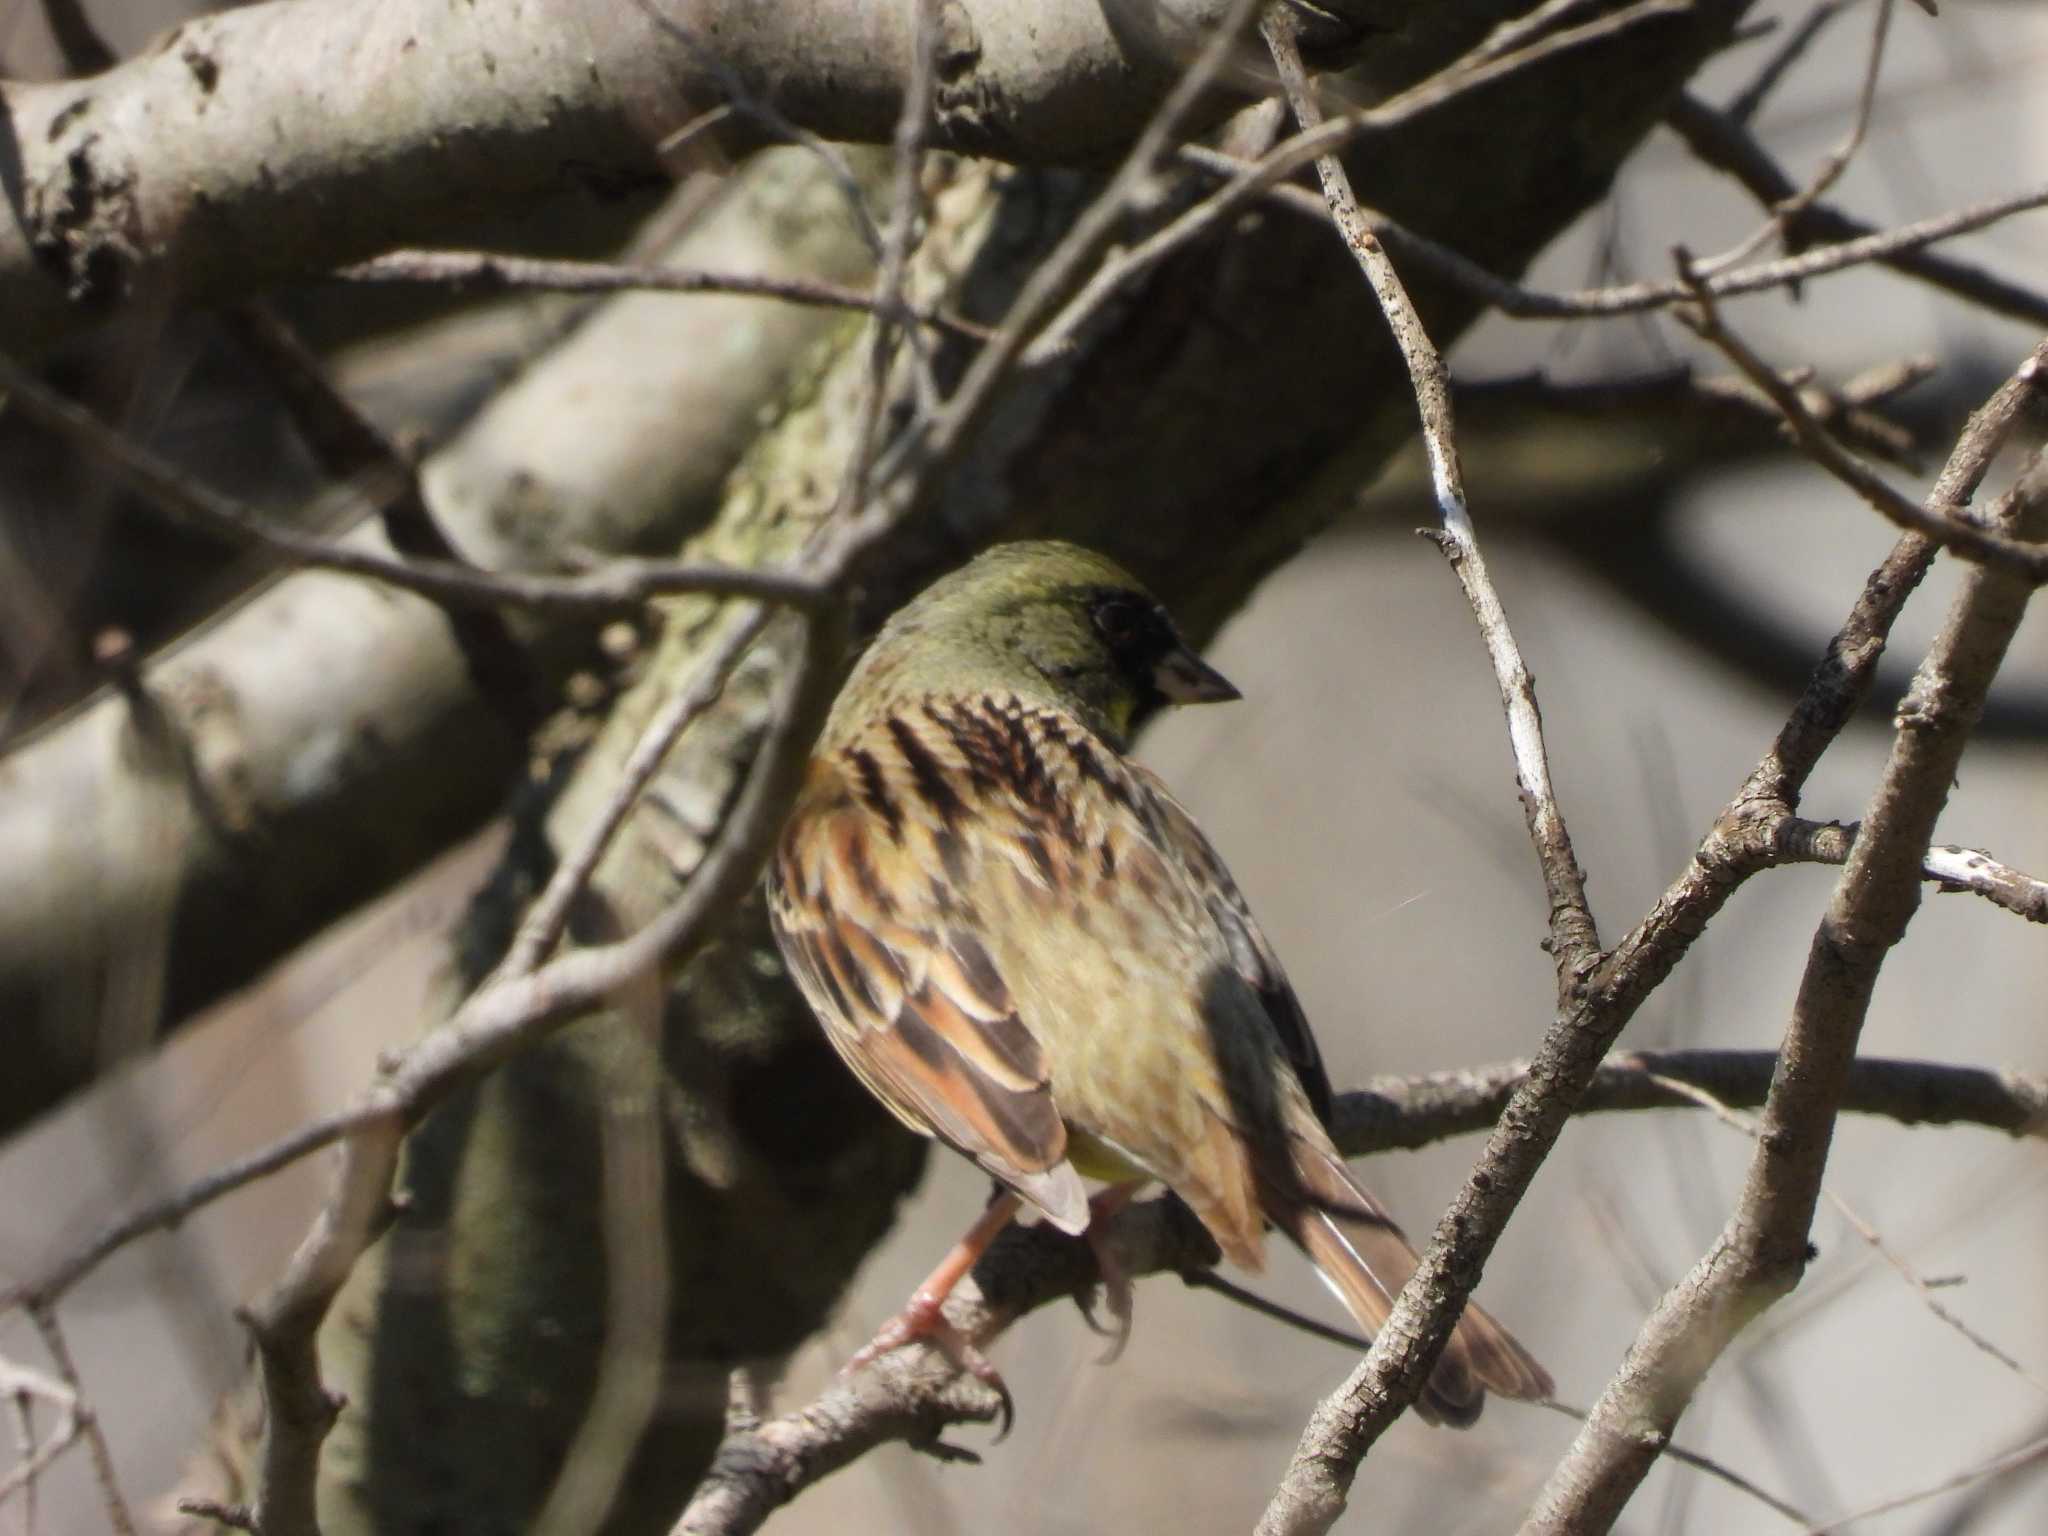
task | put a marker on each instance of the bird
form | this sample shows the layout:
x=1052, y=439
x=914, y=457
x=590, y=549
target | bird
x=1026, y=948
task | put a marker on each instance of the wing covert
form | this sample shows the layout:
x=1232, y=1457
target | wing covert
x=907, y=992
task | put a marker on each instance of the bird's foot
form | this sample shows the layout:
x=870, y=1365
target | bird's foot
x=1115, y=1275
x=923, y=1321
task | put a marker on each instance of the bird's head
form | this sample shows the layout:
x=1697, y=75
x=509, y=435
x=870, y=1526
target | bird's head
x=1050, y=621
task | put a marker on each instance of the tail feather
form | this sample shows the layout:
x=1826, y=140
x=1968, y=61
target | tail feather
x=1366, y=1260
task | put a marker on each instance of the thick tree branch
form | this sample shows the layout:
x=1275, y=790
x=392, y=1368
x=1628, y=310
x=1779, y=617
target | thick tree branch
x=287, y=138
x=346, y=786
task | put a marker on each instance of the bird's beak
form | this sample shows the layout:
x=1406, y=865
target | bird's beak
x=1182, y=677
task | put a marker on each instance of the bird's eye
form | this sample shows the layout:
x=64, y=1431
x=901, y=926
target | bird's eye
x=1119, y=620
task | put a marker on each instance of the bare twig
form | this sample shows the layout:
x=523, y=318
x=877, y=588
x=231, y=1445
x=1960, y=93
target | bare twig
x=1952, y=868
x=1763, y=1251
x=1387, y=1114
x=614, y=587
x=1720, y=139
x=48, y=1288
x=26, y=1387
x=1408, y=1112
x=549, y=915
x=1573, y=936
x=1740, y=843
x=97, y=1449
x=1345, y=1425
x=1783, y=212
x=1719, y=1471
x=1944, y=524
x=1851, y=412
x=1788, y=53
x=1852, y=245
x=1871, y=1236
x=764, y=112
x=2018, y=1459
x=1970, y=870
x=490, y=272
x=1089, y=234
x=1259, y=178
x=893, y=269
x=347, y=444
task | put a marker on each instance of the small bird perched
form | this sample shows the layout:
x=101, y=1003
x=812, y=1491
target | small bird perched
x=1024, y=946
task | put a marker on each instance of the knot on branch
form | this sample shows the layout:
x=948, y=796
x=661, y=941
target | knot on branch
x=83, y=222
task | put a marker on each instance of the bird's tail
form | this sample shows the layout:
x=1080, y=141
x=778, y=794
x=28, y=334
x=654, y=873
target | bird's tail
x=1366, y=1260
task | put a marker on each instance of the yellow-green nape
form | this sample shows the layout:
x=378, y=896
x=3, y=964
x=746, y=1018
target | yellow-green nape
x=1035, y=567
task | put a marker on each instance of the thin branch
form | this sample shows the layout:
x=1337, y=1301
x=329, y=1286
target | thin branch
x=745, y=102
x=1573, y=935
x=1721, y=140
x=1946, y=525
x=347, y=444
x=1404, y=1113
x=1259, y=178
x=1875, y=1239
x=27, y=1386
x=1740, y=843
x=1952, y=868
x=893, y=267
x=490, y=272
x=1346, y=1425
x=1751, y=97
x=1784, y=211
x=1849, y=411
x=1714, y=1469
x=97, y=1449
x=1969, y=870
x=1387, y=1114
x=1855, y=244
x=1763, y=1251
x=615, y=586
x=1088, y=236
x=545, y=920
x=2033, y=1453
x=49, y=1287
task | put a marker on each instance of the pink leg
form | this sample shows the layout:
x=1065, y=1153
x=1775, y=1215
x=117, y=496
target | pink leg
x=923, y=1318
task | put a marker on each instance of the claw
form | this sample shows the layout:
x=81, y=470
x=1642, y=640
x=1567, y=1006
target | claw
x=1116, y=1279
x=922, y=1322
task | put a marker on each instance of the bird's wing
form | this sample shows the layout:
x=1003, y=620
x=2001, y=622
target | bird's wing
x=1246, y=950
x=870, y=894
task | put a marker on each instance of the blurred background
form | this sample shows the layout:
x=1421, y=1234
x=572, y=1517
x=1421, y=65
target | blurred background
x=1363, y=795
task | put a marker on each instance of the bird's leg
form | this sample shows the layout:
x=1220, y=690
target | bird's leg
x=1116, y=1279
x=923, y=1318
